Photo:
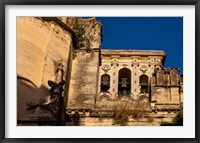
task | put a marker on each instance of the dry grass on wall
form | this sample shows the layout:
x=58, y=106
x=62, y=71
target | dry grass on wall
x=125, y=110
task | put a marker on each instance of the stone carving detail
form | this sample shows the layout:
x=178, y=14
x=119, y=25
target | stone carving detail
x=50, y=108
x=151, y=62
x=59, y=72
x=51, y=103
x=103, y=96
x=125, y=65
x=143, y=68
x=56, y=88
x=135, y=63
x=143, y=97
x=114, y=62
x=106, y=68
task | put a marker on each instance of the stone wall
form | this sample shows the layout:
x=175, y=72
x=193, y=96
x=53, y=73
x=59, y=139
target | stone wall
x=85, y=65
x=41, y=44
x=105, y=118
x=83, y=87
x=168, y=86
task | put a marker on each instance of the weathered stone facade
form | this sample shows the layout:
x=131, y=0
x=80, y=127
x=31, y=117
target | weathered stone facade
x=41, y=45
x=98, y=84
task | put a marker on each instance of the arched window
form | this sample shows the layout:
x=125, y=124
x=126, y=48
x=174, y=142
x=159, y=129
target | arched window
x=144, y=83
x=105, y=82
x=124, y=82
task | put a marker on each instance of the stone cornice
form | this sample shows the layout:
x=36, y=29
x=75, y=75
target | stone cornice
x=133, y=53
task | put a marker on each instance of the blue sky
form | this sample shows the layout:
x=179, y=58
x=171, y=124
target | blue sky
x=146, y=33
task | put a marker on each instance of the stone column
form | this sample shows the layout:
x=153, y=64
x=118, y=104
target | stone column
x=132, y=82
x=114, y=76
x=135, y=81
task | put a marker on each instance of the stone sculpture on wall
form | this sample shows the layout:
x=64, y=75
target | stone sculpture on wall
x=52, y=105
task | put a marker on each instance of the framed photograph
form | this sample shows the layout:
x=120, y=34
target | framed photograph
x=84, y=71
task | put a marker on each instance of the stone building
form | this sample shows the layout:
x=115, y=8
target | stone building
x=65, y=78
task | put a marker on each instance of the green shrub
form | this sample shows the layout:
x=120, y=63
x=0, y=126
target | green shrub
x=177, y=121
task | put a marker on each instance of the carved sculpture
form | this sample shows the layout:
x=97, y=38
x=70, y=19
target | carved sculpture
x=51, y=103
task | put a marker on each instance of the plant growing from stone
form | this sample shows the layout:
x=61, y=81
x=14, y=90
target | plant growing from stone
x=82, y=38
x=125, y=110
x=177, y=121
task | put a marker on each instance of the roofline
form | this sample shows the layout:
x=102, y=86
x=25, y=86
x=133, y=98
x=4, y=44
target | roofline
x=134, y=52
x=113, y=52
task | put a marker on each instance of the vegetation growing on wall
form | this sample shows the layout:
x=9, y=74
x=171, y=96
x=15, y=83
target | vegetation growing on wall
x=84, y=37
x=125, y=110
x=177, y=121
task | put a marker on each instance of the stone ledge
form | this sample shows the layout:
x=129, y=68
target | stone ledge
x=133, y=52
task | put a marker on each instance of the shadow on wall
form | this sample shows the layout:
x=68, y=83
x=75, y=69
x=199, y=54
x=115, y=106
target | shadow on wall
x=27, y=92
